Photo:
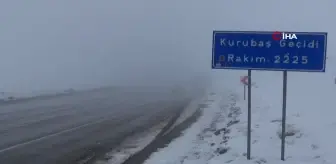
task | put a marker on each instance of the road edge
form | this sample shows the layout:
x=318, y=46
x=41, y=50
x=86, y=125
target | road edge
x=163, y=138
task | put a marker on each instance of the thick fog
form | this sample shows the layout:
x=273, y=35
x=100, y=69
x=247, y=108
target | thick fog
x=46, y=45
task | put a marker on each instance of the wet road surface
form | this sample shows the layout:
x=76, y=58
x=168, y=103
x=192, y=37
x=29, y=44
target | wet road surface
x=65, y=129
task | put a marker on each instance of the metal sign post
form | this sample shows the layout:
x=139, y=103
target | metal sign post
x=257, y=50
x=284, y=104
x=249, y=115
x=244, y=92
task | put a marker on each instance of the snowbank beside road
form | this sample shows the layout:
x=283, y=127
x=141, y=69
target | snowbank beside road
x=188, y=111
x=131, y=145
x=142, y=142
x=220, y=135
x=184, y=146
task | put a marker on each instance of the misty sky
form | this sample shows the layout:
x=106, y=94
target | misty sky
x=57, y=44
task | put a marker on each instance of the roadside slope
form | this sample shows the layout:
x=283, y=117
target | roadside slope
x=222, y=139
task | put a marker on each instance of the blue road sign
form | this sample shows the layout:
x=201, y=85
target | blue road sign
x=257, y=50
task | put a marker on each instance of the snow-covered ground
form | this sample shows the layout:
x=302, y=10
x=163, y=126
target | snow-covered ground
x=134, y=144
x=131, y=145
x=219, y=136
x=188, y=112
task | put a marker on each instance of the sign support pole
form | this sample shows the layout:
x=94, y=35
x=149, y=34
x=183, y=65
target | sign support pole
x=245, y=91
x=249, y=115
x=283, y=135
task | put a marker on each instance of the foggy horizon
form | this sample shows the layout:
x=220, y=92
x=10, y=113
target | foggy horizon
x=56, y=45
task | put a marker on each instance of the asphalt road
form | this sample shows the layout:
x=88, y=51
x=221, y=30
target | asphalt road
x=67, y=129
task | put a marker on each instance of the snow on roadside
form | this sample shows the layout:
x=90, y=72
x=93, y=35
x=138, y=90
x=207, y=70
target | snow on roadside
x=188, y=112
x=184, y=146
x=132, y=145
x=309, y=133
x=139, y=141
x=220, y=134
x=266, y=131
